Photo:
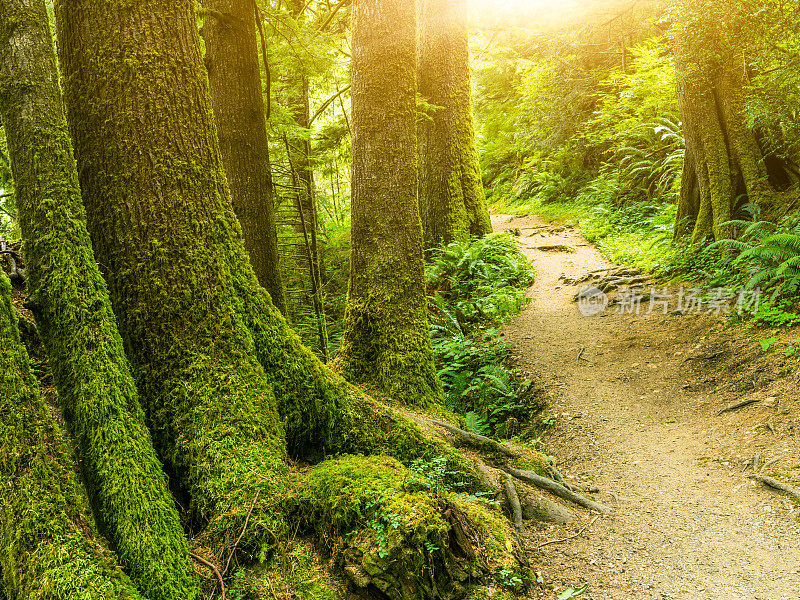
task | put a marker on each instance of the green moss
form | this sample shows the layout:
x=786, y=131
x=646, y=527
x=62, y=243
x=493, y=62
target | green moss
x=130, y=497
x=49, y=548
x=384, y=532
x=299, y=573
x=506, y=558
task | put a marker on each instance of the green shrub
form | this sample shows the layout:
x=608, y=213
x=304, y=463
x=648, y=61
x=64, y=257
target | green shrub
x=473, y=286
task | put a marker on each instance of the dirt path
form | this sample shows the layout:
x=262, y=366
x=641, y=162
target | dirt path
x=687, y=523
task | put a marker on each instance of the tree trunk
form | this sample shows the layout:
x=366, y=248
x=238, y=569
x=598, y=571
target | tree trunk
x=387, y=339
x=46, y=530
x=227, y=386
x=234, y=78
x=724, y=166
x=124, y=478
x=451, y=195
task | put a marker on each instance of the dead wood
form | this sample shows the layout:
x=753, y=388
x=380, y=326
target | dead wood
x=566, y=539
x=737, y=405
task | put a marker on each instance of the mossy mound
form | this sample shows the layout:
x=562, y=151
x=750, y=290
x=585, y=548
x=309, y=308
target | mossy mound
x=390, y=533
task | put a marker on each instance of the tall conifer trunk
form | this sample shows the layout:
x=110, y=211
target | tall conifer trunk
x=724, y=165
x=229, y=389
x=386, y=340
x=451, y=196
x=234, y=78
x=74, y=316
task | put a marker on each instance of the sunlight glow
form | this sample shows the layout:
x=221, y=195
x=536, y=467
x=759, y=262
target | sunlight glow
x=519, y=12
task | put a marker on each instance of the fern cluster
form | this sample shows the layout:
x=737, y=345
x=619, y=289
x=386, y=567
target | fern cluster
x=472, y=287
x=765, y=256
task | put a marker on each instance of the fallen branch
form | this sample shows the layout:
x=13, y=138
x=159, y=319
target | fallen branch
x=513, y=501
x=214, y=568
x=778, y=485
x=738, y=405
x=557, y=489
x=477, y=441
x=241, y=535
x=566, y=539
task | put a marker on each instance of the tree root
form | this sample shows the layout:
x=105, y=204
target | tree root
x=778, y=485
x=556, y=488
x=513, y=500
x=479, y=442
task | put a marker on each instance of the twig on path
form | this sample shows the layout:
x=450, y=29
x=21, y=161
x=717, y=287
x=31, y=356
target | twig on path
x=241, y=535
x=580, y=355
x=556, y=488
x=739, y=405
x=566, y=539
x=214, y=568
x=769, y=463
x=778, y=485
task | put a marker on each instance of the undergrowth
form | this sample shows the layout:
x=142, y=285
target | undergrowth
x=473, y=286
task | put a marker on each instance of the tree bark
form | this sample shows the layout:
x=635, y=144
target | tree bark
x=387, y=340
x=724, y=166
x=46, y=530
x=125, y=480
x=451, y=195
x=227, y=386
x=234, y=75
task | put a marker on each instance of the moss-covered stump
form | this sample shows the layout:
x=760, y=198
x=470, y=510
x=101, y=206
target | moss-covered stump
x=48, y=549
x=391, y=532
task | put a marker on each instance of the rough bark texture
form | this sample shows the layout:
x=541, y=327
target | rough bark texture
x=451, y=195
x=125, y=481
x=386, y=340
x=50, y=551
x=724, y=166
x=234, y=75
x=163, y=226
x=228, y=387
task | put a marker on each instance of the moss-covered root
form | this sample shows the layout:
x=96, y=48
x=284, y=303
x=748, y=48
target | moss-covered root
x=48, y=549
x=124, y=478
x=390, y=532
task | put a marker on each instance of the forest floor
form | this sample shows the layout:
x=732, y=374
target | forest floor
x=635, y=415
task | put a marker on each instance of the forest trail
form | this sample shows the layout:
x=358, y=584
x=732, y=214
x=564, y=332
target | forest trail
x=632, y=420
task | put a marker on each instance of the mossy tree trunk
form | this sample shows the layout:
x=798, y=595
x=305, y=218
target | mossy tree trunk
x=50, y=549
x=724, y=166
x=234, y=75
x=387, y=340
x=228, y=388
x=163, y=226
x=125, y=481
x=451, y=195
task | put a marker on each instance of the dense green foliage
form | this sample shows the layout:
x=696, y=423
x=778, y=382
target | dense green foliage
x=581, y=123
x=473, y=287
